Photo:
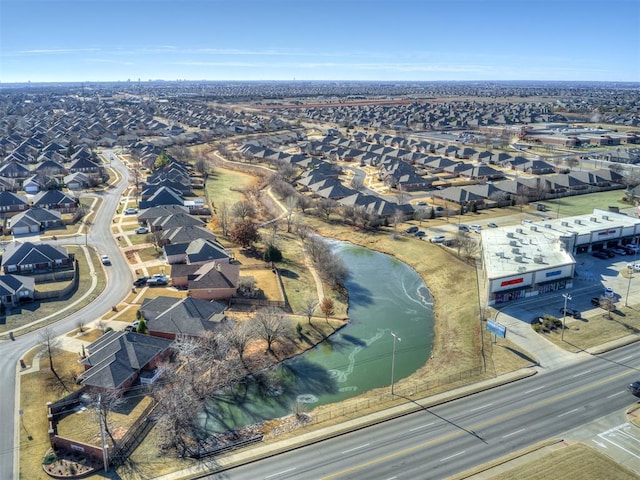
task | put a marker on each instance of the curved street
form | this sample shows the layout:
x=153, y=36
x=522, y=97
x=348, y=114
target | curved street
x=100, y=239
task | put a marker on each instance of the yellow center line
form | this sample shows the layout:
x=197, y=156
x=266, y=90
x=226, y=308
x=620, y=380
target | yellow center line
x=473, y=428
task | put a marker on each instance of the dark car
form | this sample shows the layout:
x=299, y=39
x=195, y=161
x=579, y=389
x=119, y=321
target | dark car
x=609, y=253
x=140, y=281
x=412, y=229
x=570, y=312
x=634, y=388
x=420, y=234
x=595, y=301
x=600, y=255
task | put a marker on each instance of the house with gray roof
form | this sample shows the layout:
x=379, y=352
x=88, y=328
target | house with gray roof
x=169, y=317
x=16, y=289
x=117, y=359
x=34, y=220
x=196, y=252
x=209, y=281
x=30, y=258
x=12, y=203
x=56, y=200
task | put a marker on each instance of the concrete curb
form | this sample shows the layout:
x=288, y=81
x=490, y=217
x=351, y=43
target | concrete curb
x=283, y=446
x=506, y=459
x=612, y=345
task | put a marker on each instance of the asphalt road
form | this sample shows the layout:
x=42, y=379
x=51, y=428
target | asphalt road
x=450, y=438
x=11, y=351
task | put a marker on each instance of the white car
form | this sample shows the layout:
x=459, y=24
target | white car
x=608, y=292
x=105, y=259
x=634, y=266
x=475, y=228
x=141, y=230
x=437, y=239
x=130, y=211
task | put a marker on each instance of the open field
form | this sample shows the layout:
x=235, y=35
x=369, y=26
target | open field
x=569, y=463
x=583, y=204
x=226, y=186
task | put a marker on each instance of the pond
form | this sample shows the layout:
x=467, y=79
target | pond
x=385, y=296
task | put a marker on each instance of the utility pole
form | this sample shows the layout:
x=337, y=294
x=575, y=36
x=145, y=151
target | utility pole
x=105, y=454
x=393, y=358
x=564, y=313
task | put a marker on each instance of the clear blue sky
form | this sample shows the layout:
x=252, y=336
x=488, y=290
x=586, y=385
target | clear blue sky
x=422, y=40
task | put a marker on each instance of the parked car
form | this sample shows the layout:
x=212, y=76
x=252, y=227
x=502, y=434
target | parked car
x=157, y=281
x=463, y=228
x=105, y=259
x=412, y=229
x=130, y=211
x=492, y=225
x=526, y=222
x=634, y=266
x=421, y=203
x=609, y=253
x=595, y=301
x=619, y=251
x=570, y=312
x=437, y=239
x=141, y=230
x=140, y=281
x=608, y=292
x=634, y=388
x=475, y=228
x=420, y=234
x=600, y=255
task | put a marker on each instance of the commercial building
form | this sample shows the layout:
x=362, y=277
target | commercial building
x=536, y=258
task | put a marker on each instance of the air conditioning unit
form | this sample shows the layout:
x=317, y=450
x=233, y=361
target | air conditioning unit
x=518, y=230
x=513, y=243
x=522, y=269
x=538, y=259
x=515, y=250
x=510, y=234
x=565, y=224
x=518, y=258
x=534, y=228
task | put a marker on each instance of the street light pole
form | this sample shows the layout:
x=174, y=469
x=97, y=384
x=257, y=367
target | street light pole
x=393, y=358
x=564, y=314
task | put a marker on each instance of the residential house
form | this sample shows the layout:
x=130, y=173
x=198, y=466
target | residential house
x=56, y=200
x=117, y=359
x=197, y=252
x=12, y=203
x=16, y=289
x=29, y=258
x=210, y=281
x=169, y=317
x=34, y=220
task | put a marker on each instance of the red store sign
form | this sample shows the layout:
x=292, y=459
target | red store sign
x=515, y=281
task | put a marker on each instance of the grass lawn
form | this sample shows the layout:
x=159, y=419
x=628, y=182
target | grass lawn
x=226, y=186
x=36, y=389
x=583, y=204
x=569, y=463
x=596, y=328
x=149, y=253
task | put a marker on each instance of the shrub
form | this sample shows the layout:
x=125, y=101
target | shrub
x=49, y=458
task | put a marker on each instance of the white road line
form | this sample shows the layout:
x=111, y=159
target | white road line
x=616, y=394
x=513, y=433
x=613, y=429
x=281, y=473
x=580, y=374
x=535, y=389
x=421, y=426
x=619, y=446
x=451, y=456
x=625, y=358
x=355, y=448
x=481, y=407
x=598, y=443
x=567, y=413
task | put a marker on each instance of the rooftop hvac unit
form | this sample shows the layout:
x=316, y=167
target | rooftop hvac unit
x=593, y=219
x=510, y=234
x=513, y=243
x=518, y=230
x=522, y=269
x=578, y=221
x=605, y=217
x=547, y=225
x=515, y=250
x=538, y=259
x=518, y=258
x=565, y=224
x=534, y=229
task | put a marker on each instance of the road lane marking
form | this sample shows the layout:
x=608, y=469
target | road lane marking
x=514, y=433
x=598, y=443
x=451, y=456
x=280, y=473
x=355, y=448
x=420, y=427
x=580, y=374
x=534, y=389
x=616, y=394
x=619, y=446
x=493, y=421
x=567, y=413
x=626, y=358
x=481, y=407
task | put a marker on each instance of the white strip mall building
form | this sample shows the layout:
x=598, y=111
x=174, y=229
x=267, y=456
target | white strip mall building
x=539, y=257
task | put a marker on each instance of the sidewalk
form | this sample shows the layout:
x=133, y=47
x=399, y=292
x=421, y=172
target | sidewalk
x=269, y=448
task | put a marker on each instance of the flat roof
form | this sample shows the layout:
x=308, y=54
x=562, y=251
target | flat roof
x=586, y=224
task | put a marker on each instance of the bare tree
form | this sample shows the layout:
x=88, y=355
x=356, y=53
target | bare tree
x=271, y=326
x=243, y=210
x=224, y=219
x=326, y=207
x=309, y=307
x=328, y=308
x=52, y=345
x=291, y=203
x=608, y=305
x=357, y=183
x=304, y=203
x=239, y=335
